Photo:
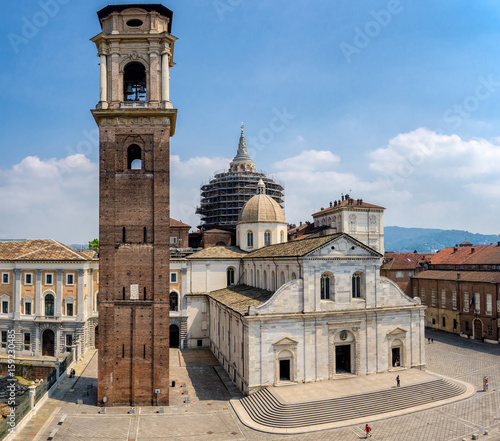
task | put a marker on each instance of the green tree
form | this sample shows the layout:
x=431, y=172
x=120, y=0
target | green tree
x=94, y=244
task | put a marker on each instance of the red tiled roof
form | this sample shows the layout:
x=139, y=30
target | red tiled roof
x=475, y=255
x=41, y=250
x=465, y=276
x=345, y=203
x=176, y=223
x=402, y=261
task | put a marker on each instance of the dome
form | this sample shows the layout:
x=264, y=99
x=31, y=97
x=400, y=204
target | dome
x=262, y=208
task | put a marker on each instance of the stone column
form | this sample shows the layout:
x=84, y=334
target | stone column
x=16, y=300
x=116, y=84
x=80, y=296
x=103, y=81
x=153, y=86
x=90, y=291
x=165, y=90
x=32, y=392
x=59, y=293
x=38, y=293
x=38, y=341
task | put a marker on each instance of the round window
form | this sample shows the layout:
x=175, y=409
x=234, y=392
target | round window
x=134, y=23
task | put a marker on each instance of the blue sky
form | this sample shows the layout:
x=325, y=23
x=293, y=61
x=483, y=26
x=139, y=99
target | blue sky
x=396, y=102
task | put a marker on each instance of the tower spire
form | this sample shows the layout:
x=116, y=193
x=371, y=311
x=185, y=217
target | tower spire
x=242, y=160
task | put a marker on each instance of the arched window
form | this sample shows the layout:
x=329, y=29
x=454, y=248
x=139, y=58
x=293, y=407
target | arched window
x=294, y=276
x=230, y=276
x=282, y=278
x=134, y=82
x=264, y=279
x=282, y=237
x=251, y=281
x=327, y=282
x=134, y=157
x=257, y=281
x=250, y=239
x=49, y=304
x=267, y=238
x=273, y=280
x=174, y=301
x=358, y=285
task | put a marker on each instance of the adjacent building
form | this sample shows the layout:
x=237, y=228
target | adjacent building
x=49, y=296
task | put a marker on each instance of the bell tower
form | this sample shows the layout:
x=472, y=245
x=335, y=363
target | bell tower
x=135, y=119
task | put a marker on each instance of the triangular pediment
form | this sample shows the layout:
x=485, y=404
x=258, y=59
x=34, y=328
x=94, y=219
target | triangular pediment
x=344, y=245
x=397, y=331
x=285, y=341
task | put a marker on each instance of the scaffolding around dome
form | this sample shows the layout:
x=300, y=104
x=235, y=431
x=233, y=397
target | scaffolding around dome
x=224, y=195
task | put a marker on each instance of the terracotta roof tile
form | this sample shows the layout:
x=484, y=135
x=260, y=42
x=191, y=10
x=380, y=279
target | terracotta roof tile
x=346, y=204
x=466, y=255
x=218, y=253
x=240, y=297
x=465, y=276
x=403, y=261
x=41, y=249
x=176, y=223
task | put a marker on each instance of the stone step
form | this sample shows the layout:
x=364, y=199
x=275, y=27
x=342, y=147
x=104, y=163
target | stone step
x=264, y=408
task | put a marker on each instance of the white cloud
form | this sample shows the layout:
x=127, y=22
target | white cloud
x=309, y=160
x=427, y=153
x=55, y=198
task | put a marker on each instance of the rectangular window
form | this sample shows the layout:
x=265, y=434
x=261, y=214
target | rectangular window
x=4, y=339
x=466, y=325
x=173, y=240
x=5, y=278
x=5, y=307
x=399, y=274
x=444, y=322
x=466, y=302
x=454, y=300
x=69, y=339
x=422, y=295
x=69, y=309
x=49, y=279
x=173, y=277
x=70, y=279
x=489, y=304
x=489, y=330
x=443, y=299
x=27, y=308
x=28, y=278
x=27, y=341
x=455, y=324
x=199, y=343
x=433, y=297
x=477, y=303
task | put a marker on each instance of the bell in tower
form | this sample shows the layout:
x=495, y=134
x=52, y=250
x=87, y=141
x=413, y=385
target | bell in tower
x=135, y=119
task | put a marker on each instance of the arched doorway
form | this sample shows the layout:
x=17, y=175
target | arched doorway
x=96, y=337
x=48, y=343
x=478, y=329
x=174, y=336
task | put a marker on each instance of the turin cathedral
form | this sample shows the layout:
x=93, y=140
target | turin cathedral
x=272, y=310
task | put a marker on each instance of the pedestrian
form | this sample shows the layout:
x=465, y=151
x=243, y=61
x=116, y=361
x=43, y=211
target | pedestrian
x=368, y=431
x=429, y=340
x=398, y=384
x=432, y=339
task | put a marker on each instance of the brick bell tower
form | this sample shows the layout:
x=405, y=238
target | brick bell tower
x=135, y=119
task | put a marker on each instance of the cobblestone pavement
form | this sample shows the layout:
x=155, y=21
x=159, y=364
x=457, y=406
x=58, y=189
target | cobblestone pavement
x=209, y=416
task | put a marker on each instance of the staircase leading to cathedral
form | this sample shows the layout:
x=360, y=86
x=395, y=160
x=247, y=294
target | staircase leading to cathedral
x=266, y=410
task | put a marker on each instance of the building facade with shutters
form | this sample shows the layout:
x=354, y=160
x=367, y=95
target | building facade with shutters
x=49, y=297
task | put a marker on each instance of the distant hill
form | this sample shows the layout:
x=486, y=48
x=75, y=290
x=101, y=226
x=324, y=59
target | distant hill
x=426, y=240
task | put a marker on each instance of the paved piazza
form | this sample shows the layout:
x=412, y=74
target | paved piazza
x=209, y=415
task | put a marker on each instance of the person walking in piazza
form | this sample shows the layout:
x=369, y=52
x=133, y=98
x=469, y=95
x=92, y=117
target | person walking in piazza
x=398, y=381
x=368, y=431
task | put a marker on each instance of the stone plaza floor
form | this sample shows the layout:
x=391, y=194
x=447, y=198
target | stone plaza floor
x=209, y=416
